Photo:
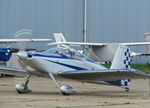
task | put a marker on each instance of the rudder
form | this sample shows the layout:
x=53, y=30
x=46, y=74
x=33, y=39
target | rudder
x=59, y=37
x=122, y=58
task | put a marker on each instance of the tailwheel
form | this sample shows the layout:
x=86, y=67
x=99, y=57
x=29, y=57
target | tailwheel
x=127, y=89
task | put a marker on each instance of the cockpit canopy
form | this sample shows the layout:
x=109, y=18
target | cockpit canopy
x=68, y=52
x=64, y=52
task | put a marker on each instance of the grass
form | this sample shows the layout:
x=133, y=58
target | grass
x=142, y=67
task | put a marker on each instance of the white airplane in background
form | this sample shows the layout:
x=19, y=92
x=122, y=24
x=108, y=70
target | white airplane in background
x=67, y=63
x=102, y=52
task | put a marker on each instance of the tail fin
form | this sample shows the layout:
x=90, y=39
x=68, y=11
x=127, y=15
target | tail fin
x=59, y=37
x=122, y=58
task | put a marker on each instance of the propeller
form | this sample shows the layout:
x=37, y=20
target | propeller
x=22, y=46
x=23, y=34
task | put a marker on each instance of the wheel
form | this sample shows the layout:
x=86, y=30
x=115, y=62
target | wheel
x=67, y=90
x=21, y=88
x=126, y=89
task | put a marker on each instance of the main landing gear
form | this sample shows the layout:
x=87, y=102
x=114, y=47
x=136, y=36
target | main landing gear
x=65, y=89
x=23, y=88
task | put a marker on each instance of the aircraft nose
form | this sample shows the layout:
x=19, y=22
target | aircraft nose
x=22, y=55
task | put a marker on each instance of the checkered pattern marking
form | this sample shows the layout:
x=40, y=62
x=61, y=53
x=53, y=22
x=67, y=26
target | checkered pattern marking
x=125, y=82
x=127, y=61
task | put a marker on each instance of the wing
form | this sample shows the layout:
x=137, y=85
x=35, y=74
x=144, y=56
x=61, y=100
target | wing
x=78, y=44
x=104, y=75
x=13, y=71
x=23, y=40
x=99, y=44
x=136, y=43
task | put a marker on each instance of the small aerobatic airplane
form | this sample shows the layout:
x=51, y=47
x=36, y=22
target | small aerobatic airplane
x=5, y=53
x=102, y=52
x=65, y=62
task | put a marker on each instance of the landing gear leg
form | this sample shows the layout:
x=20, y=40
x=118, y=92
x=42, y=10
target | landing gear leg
x=65, y=89
x=23, y=88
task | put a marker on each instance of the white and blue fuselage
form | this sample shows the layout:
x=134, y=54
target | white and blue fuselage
x=57, y=60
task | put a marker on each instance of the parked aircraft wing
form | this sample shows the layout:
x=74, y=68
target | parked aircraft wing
x=60, y=40
x=78, y=44
x=13, y=71
x=99, y=44
x=104, y=75
x=145, y=54
x=136, y=43
x=23, y=40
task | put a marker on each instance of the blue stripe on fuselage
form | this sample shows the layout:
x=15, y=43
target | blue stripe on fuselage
x=62, y=57
x=67, y=65
x=52, y=56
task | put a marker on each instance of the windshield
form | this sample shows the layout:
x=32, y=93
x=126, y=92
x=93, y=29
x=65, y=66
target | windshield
x=65, y=52
x=52, y=51
x=68, y=52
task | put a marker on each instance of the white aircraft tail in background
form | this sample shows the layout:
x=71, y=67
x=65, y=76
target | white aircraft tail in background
x=59, y=37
